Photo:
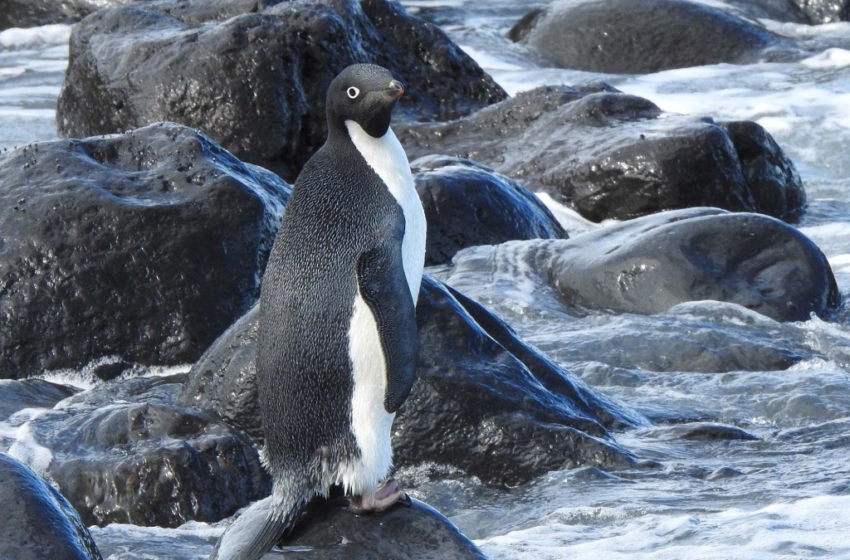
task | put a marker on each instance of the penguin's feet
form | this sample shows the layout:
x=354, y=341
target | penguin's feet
x=380, y=499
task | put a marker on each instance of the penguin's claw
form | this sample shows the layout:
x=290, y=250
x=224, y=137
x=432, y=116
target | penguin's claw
x=382, y=498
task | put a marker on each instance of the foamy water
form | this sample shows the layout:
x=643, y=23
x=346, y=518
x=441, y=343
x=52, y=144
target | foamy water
x=783, y=495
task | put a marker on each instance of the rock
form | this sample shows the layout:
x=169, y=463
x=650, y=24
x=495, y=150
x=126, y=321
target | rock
x=223, y=381
x=38, y=522
x=469, y=204
x=329, y=531
x=609, y=155
x=713, y=432
x=484, y=401
x=32, y=13
x=773, y=181
x=628, y=37
x=651, y=264
x=145, y=246
x=30, y=393
x=253, y=75
x=142, y=460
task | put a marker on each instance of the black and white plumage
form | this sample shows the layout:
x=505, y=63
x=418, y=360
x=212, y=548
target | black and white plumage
x=337, y=337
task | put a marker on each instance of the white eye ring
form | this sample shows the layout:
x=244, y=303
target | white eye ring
x=352, y=92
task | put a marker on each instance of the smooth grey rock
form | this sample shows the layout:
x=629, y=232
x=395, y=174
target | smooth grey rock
x=629, y=37
x=145, y=245
x=651, y=264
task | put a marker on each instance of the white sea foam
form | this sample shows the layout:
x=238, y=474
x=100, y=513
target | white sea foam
x=54, y=34
x=809, y=527
x=830, y=58
x=25, y=448
x=573, y=222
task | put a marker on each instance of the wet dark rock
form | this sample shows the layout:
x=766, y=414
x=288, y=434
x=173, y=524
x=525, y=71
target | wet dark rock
x=713, y=432
x=469, y=204
x=38, y=523
x=417, y=532
x=628, y=37
x=609, y=155
x=773, y=181
x=147, y=461
x=223, y=381
x=484, y=401
x=32, y=13
x=253, y=75
x=651, y=264
x=30, y=393
x=145, y=245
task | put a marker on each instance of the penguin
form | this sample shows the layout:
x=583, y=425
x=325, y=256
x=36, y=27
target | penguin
x=337, y=339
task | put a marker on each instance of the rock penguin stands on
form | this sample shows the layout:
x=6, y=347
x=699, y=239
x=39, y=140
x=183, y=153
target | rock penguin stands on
x=337, y=338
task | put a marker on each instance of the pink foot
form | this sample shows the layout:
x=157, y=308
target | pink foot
x=382, y=498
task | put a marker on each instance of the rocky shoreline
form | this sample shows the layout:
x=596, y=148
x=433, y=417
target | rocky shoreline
x=146, y=247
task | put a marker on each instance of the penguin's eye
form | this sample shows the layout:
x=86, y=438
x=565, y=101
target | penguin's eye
x=353, y=92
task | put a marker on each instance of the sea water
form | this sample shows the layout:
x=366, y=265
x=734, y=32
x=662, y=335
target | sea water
x=783, y=495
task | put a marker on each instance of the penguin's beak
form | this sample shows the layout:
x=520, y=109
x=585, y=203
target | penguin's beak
x=395, y=90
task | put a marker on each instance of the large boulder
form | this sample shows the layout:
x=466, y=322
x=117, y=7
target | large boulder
x=31, y=13
x=651, y=264
x=611, y=155
x=124, y=453
x=146, y=245
x=253, y=75
x=483, y=402
x=469, y=204
x=640, y=37
x=38, y=522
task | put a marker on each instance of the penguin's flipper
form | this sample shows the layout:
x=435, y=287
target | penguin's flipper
x=253, y=534
x=384, y=288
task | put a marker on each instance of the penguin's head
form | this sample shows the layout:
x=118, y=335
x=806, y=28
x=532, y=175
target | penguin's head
x=365, y=94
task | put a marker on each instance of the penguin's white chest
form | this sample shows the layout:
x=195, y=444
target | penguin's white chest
x=386, y=156
x=370, y=422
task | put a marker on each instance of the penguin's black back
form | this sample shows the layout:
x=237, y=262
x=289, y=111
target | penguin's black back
x=339, y=208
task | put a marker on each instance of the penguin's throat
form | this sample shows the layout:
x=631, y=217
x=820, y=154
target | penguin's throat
x=387, y=159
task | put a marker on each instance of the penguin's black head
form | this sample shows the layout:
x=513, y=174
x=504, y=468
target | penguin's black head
x=365, y=94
